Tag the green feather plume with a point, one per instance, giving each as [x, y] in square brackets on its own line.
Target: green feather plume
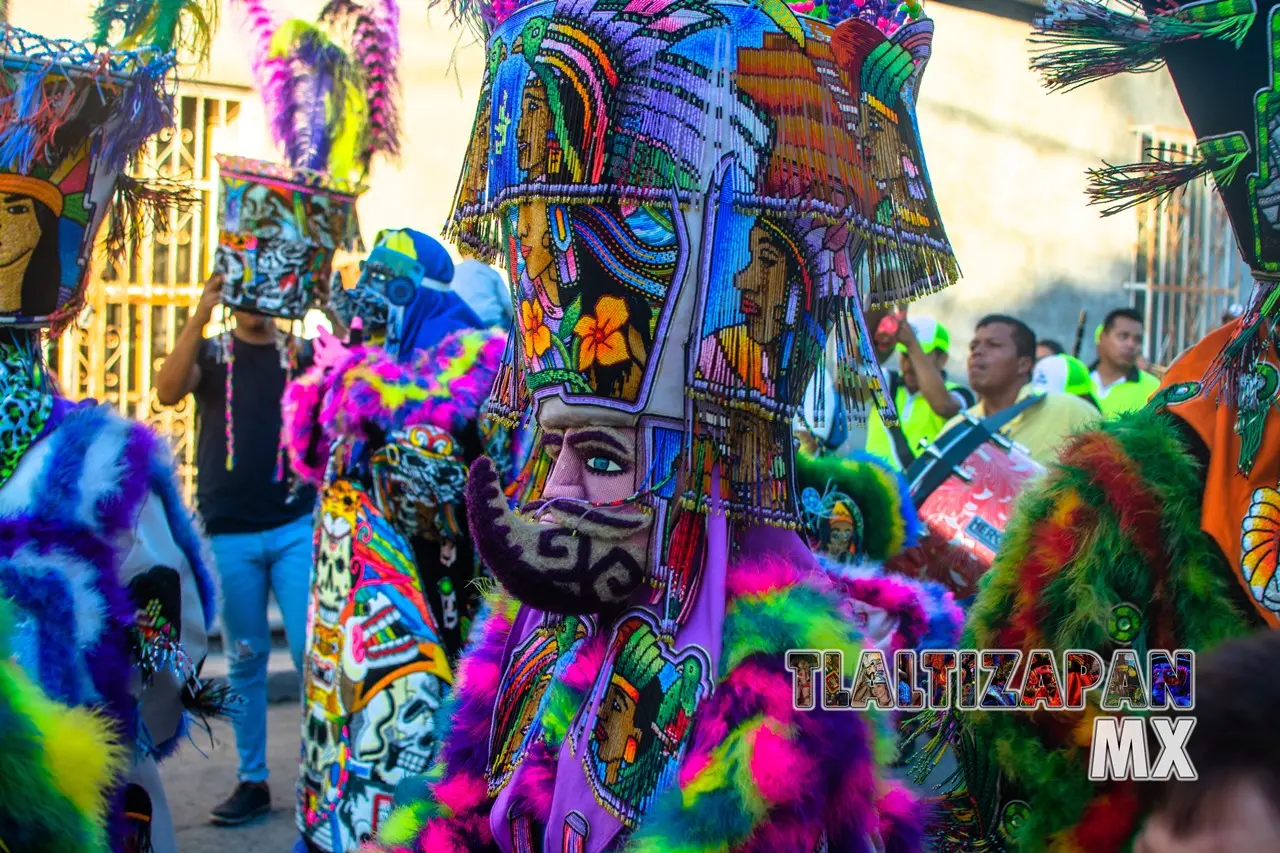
[162, 25]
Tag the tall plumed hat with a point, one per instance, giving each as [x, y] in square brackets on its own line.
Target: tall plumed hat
[691, 196]
[1222, 57]
[329, 89]
[73, 115]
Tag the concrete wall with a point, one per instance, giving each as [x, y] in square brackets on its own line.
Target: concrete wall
[1007, 158]
[1008, 162]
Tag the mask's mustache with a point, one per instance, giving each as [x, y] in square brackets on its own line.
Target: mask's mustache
[590, 559]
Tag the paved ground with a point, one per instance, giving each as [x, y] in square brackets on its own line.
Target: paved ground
[194, 784]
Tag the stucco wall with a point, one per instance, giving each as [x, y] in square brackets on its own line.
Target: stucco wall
[1007, 158]
[1008, 162]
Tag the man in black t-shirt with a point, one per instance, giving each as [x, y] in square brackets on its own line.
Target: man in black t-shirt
[259, 528]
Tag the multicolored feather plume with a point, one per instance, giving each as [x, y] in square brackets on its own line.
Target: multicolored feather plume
[164, 25]
[330, 87]
[375, 49]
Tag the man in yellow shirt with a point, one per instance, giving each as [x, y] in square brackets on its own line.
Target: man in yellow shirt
[1001, 357]
[1118, 383]
[923, 396]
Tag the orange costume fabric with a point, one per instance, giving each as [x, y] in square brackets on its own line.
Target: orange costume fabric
[1241, 508]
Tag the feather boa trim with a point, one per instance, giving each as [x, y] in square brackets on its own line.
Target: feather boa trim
[758, 777]
[60, 764]
[879, 494]
[369, 393]
[926, 612]
[1116, 521]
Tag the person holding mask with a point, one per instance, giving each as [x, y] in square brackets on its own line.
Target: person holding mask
[1001, 360]
[922, 395]
[259, 526]
[1119, 382]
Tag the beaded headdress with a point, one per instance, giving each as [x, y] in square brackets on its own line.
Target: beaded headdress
[1222, 57]
[691, 196]
[73, 117]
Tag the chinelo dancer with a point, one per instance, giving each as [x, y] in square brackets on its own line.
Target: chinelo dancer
[1157, 529]
[386, 429]
[103, 583]
[328, 88]
[684, 192]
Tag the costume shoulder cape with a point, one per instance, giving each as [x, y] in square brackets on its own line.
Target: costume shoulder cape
[368, 392]
[1105, 552]
[67, 517]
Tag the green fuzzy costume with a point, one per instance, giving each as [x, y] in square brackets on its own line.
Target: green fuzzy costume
[1115, 522]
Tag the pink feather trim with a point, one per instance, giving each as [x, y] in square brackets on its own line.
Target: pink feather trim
[779, 768]
[903, 816]
[462, 793]
[535, 783]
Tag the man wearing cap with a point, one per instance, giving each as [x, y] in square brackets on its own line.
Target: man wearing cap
[1118, 383]
[1064, 374]
[923, 344]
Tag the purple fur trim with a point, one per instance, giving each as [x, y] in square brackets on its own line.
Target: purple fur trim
[903, 817]
[475, 695]
[301, 432]
[50, 597]
[946, 618]
[535, 783]
[182, 524]
[791, 834]
[118, 509]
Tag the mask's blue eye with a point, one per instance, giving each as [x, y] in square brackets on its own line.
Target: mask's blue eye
[603, 465]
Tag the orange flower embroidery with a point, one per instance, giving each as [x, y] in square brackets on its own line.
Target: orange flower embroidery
[537, 337]
[602, 338]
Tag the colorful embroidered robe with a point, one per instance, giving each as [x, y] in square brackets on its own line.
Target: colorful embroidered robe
[756, 774]
[393, 594]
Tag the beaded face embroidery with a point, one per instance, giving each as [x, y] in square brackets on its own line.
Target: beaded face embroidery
[685, 194]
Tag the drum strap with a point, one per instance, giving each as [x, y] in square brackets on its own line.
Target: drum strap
[931, 470]
[901, 447]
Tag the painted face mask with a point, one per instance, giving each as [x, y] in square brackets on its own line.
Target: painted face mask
[388, 281]
[278, 229]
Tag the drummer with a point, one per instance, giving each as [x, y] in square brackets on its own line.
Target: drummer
[924, 397]
[1002, 356]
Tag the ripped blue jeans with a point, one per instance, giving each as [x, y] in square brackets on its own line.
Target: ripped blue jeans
[250, 565]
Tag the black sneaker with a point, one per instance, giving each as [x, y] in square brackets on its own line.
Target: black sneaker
[249, 800]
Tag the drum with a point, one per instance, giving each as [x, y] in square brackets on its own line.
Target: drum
[963, 487]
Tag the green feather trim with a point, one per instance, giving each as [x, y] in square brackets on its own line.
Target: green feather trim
[872, 489]
[1106, 567]
[38, 798]
[771, 624]
[164, 25]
